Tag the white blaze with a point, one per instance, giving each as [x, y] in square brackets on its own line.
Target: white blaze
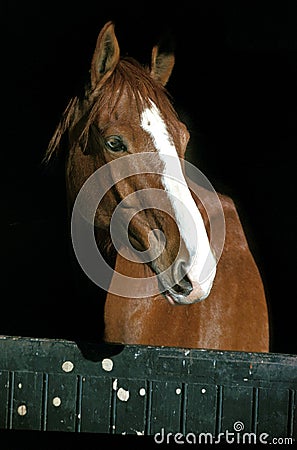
[202, 263]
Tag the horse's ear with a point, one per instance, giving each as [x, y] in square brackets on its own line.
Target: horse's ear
[161, 65]
[106, 55]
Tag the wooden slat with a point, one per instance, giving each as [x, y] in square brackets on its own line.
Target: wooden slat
[27, 400]
[130, 406]
[166, 406]
[4, 398]
[273, 412]
[237, 408]
[96, 404]
[201, 408]
[293, 421]
[61, 403]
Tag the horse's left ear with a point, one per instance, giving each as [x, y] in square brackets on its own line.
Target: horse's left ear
[161, 65]
[106, 55]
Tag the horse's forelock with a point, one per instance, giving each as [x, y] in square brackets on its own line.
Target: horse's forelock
[131, 78]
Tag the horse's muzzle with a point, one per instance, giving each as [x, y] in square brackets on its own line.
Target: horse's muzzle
[176, 298]
[185, 291]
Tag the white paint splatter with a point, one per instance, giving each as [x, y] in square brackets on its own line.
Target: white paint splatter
[67, 366]
[57, 401]
[123, 395]
[107, 364]
[22, 410]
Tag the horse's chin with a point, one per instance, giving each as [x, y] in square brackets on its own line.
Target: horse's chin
[177, 299]
[170, 298]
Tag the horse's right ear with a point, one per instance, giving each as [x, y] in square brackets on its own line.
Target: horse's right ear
[106, 55]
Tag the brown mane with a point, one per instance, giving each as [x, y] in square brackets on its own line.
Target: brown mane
[129, 76]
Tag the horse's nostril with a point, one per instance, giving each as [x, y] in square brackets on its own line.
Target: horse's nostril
[184, 287]
[178, 289]
[183, 284]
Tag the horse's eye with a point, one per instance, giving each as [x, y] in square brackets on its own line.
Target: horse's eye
[115, 144]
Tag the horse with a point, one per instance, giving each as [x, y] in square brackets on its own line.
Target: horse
[127, 114]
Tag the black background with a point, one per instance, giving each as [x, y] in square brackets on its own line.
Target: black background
[235, 80]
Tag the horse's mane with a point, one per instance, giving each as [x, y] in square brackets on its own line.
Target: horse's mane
[130, 77]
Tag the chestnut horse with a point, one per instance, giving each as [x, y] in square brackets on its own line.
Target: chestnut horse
[189, 296]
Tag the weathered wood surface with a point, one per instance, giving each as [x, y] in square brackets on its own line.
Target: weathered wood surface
[63, 386]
